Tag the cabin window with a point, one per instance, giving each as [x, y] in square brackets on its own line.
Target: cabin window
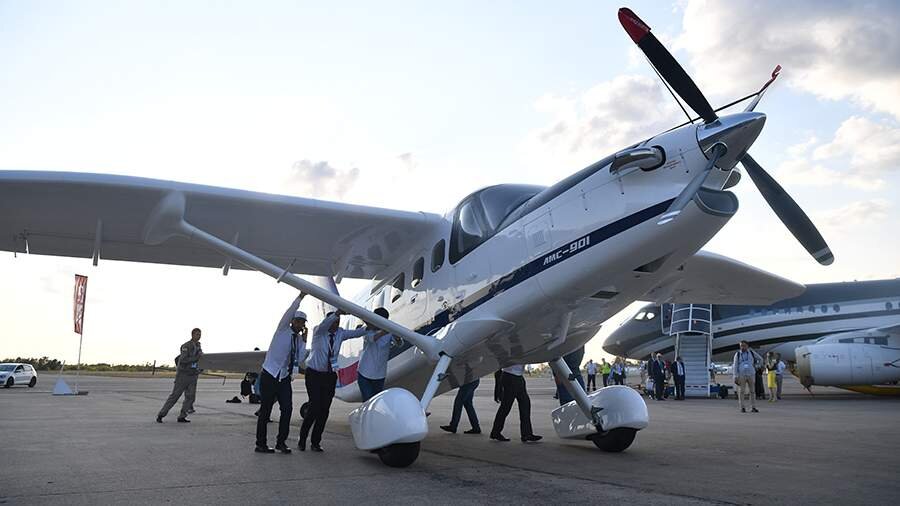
[836, 308]
[397, 287]
[824, 308]
[437, 255]
[812, 309]
[888, 306]
[468, 232]
[418, 272]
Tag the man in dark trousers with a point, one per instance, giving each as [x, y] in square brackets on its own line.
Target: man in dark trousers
[658, 372]
[287, 350]
[677, 368]
[185, 379]
[321, 376]
[512, 388]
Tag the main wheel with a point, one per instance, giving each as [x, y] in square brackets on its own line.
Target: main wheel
[616, 440]
[304, 410]
[33, 382]
[400, 454]
[10, 382]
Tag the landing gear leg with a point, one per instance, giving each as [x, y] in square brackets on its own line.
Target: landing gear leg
[591, 412]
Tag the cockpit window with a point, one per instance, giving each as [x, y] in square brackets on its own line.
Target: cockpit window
[645, 316]
[483, 214]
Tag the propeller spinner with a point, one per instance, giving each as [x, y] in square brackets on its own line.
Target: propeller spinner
[793, 217]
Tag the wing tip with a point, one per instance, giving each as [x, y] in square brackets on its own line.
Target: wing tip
[633, 25]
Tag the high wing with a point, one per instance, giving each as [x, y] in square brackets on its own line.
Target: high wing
[894, 330]
[61, 213]
[708, 278]
[241, 361]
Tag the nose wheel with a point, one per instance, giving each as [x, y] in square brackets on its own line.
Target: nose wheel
[399, 454]
[616, 440]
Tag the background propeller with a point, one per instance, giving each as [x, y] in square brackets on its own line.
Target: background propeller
[668, 68]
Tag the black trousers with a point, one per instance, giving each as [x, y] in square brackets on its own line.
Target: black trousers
[659, 385]
[592, 381]
[679, 387]
[513, 390]
[320, 388]
[270, 390]
[606, 380]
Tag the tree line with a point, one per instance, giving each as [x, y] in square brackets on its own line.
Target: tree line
[52, 364]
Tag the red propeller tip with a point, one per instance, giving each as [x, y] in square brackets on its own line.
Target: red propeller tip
[632, 24]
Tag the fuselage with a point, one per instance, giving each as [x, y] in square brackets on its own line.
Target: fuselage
[823, 309]
[543, 268]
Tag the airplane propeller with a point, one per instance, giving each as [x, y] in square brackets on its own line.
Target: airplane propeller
[668, 68]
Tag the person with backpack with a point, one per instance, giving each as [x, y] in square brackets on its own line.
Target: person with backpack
[185, 379]
[744, 366]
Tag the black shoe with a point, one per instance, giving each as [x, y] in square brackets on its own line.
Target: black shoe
[283, 448]
[263, 449]
[499, 437]
[191, 411]
[159, 419]
[316, 448]
[473, 431]
[743, 410]
[449, 429]
[531, 439]
[301, 445]
[754, 410]
[183, 420]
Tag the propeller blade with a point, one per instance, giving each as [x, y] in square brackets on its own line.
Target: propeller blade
[666, 64]
[789, 212]
[762, 91]
[687, 194]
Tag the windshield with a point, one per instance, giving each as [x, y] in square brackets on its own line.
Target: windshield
[7, 367]
[499, 201]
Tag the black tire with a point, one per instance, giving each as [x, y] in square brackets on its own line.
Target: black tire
[33, 382]
[304, 410]
[399, 455]
[616, 440]
[10, 382]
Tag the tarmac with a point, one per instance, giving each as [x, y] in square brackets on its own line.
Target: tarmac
[103, 448]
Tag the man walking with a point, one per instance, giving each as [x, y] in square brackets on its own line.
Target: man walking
[658, 373]
[465, 394]
[287, 350]
[678, 375]
[512, 388]
[745, 364]
[321, 376]
[592, 375]
[185, 379]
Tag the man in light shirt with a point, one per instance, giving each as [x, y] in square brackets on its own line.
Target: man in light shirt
[321, 376]
[745, 364]
[286, 351]
[591, 368]
[779, 376]
[373, 360]
[512, 388]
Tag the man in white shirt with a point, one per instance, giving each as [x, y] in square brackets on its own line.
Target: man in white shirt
[745, 364]
[592, 375]
[779, 376]
[373, 360]
[677, 368]
[512, 388]
[286, 351]
[321, 376]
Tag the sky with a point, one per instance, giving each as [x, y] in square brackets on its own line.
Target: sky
[410, 105]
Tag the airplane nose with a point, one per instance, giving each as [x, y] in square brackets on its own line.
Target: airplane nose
[613, 347]
[736, 131]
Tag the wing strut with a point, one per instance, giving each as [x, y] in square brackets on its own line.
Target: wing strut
[167, 220]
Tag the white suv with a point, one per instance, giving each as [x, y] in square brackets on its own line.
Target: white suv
[17, 374]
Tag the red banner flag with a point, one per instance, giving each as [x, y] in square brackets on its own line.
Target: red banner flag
[80, 299]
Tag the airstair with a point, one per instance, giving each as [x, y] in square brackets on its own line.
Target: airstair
[691, 327]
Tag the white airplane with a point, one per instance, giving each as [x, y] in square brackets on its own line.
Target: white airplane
[514, 274]
[836, 334]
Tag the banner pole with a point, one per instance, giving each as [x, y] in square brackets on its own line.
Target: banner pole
[78, 369]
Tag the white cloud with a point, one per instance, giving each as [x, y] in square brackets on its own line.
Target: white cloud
[860, 155]
[606, 117]
[854, 215]
[320, 180]
[834, 50]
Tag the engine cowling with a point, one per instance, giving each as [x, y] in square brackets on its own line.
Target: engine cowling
[847, 364]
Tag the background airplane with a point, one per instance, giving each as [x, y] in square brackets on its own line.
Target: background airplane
[837, 334]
